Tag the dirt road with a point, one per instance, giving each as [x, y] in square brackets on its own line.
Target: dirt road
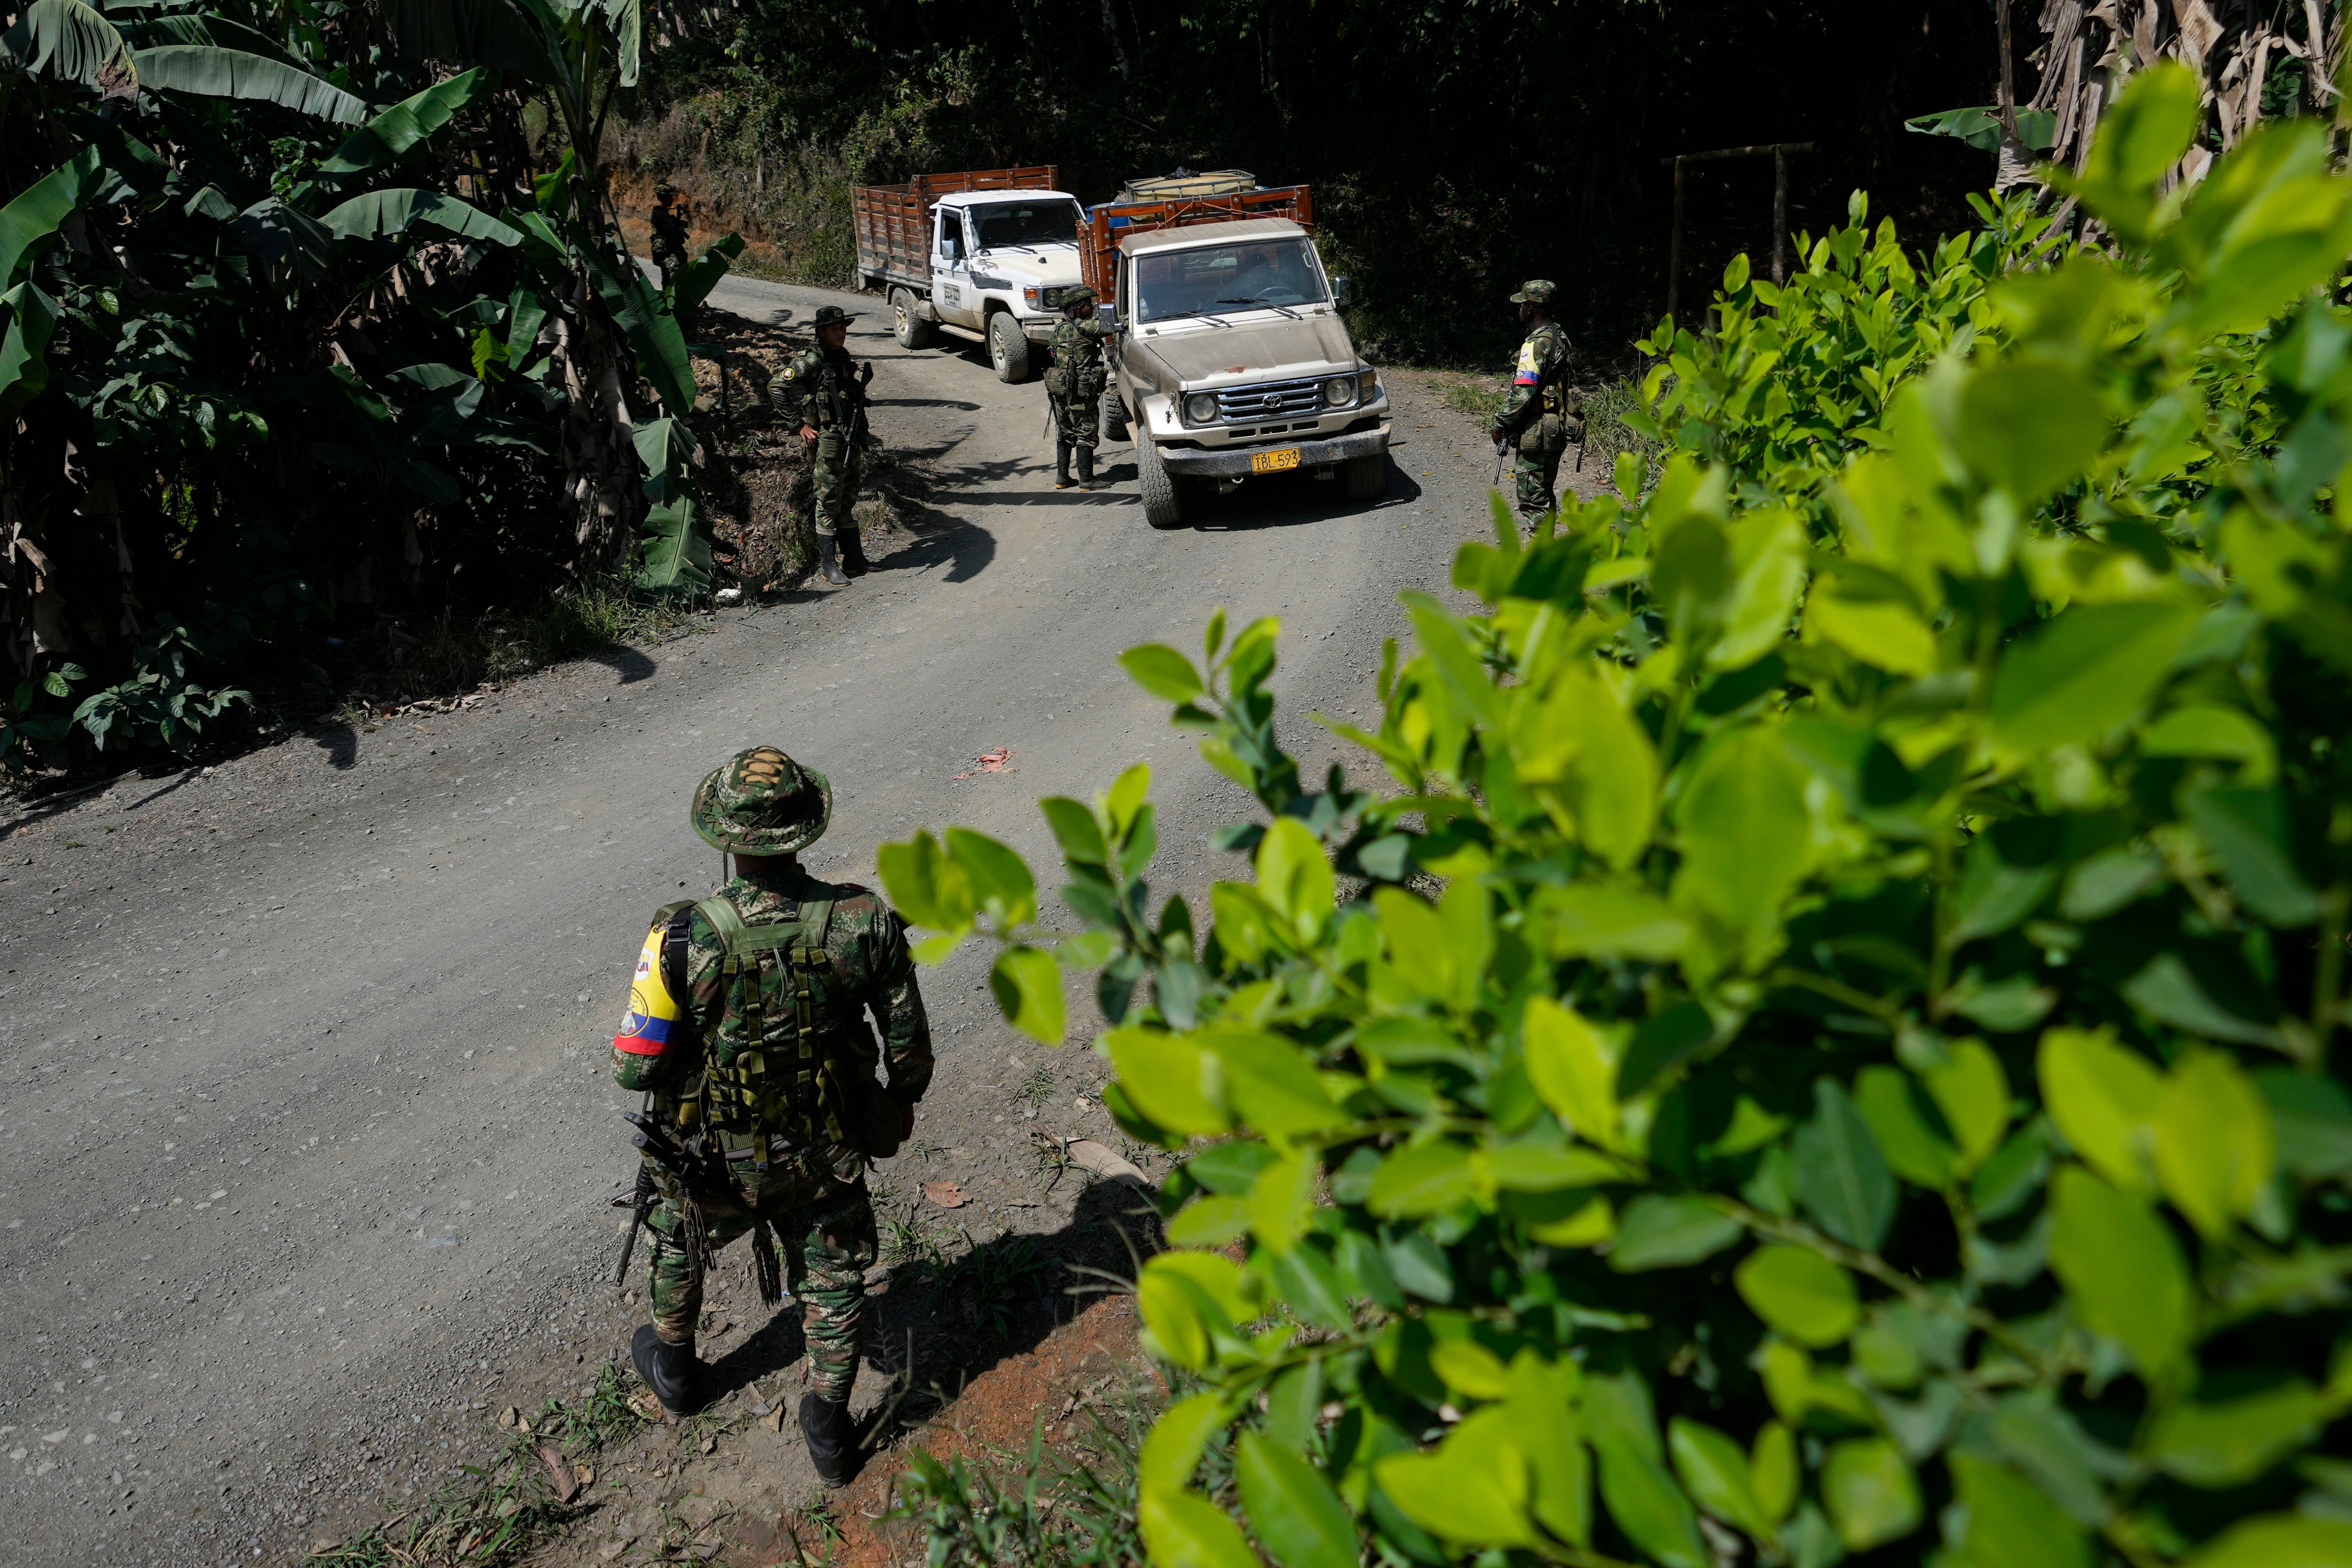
[304, 1166]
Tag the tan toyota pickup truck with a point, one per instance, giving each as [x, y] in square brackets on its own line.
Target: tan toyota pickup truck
[1231, 362]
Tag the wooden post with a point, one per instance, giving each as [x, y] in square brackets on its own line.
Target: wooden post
[1674, 245]
[1780, 213]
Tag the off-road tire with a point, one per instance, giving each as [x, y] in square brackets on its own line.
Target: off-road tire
[1366, 478]
[1164, 506]
[1114, 415]
[1008, 348]
[911, 331]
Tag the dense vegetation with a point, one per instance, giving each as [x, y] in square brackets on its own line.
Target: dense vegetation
[1828, 1044]
[1455, 149]
[313, 313]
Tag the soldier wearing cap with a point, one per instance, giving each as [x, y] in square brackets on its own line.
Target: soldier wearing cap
[1073, 387]
[668, 224]
[747, 1032]
[826, 389]
[1543, 413]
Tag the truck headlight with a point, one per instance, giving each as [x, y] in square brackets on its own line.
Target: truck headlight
[1368, 386]
[1339, 392]
[1030, 297]
[1201, 408]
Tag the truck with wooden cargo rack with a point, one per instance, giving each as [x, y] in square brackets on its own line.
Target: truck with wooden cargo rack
[983, 255]
[1231, 360]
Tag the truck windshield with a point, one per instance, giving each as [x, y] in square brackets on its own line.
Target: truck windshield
[1025, 223]
[1220, 280]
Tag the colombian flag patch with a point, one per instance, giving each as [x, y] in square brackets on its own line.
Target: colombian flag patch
[1526, 374]
[645, 1027]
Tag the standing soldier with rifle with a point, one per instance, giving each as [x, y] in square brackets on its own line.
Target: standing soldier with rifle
[747, 1032]
[1073, 387]
[1543, 413]
[669, 222]
[826, 389]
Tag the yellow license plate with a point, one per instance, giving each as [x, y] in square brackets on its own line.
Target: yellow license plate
[1274, 462]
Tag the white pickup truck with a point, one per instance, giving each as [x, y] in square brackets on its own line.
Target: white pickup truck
[983, 255]
[1230, 360]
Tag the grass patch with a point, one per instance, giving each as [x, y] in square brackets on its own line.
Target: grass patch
[1070, 1506]
[1606, 435]
[1481, 400]
[499, 1512]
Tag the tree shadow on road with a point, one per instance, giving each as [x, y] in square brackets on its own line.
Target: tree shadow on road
[632, 665]
[934, 538]
[340, 742]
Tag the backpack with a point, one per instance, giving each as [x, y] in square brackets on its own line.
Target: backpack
[790, 1069]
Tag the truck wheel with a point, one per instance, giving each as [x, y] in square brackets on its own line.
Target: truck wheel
[1114, 417]
[1367, 478]
[911, 331]
[1163, 507]
[1008, 347]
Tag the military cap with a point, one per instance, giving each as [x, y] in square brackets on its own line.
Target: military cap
[665, 192]
[1535, 292]
[1072, 297]
[762, 803]
[832, 316]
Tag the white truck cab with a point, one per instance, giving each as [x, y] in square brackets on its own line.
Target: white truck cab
[980, 256]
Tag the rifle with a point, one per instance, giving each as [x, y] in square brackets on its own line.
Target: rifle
[639, 1203]
[1502, 455]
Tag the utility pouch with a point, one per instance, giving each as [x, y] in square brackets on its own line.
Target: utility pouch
[1058, 379]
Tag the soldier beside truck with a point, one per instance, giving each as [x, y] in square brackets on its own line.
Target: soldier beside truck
[1226, 358]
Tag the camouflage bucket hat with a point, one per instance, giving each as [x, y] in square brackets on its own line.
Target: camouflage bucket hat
[762, 803]
[1074, 298]
[830, 315]
[1535, 292]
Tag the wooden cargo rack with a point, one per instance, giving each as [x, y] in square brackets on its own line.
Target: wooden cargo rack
[1098, 248]
[894, 222]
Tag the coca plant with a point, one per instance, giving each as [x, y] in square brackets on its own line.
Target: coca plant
[1826, 1045]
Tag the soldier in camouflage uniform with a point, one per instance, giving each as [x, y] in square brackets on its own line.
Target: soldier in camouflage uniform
[669, 237]
[825, 389]
[747, 1030]
[1073, 387]
[1544, 414]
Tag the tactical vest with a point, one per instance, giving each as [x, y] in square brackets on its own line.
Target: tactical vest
[776, 1072]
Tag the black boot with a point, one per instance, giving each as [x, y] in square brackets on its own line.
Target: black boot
[828, 564]
[670, 1370]
[853, 553]
[1062, 464]
[1086, 467]
[832, 1439]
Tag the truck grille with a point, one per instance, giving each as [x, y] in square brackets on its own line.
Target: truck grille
[1268, 400]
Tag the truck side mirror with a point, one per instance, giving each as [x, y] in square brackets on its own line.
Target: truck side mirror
[1341, 293]
[1108, 316]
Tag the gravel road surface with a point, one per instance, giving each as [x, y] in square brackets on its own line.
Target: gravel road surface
[306, 1160]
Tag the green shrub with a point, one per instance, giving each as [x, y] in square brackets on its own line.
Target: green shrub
[1867, 1084]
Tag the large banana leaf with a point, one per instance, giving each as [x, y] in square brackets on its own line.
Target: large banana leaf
[210, 28]
[126, 157]
[652, 332]
[677, 548]
[1981, 128]
[69, 41]
[42, 207]
[232, 73]
[389, 215]
[667, 447]
[384, 140]
[700, 277]
[31, 317]
[271, 230]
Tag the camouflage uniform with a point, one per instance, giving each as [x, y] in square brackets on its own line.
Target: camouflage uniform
[810, 1191]
[669, 237]
[822, 388]
[1073, 388]
[1541, 416]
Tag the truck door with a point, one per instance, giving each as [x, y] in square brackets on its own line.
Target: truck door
[951, 291]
